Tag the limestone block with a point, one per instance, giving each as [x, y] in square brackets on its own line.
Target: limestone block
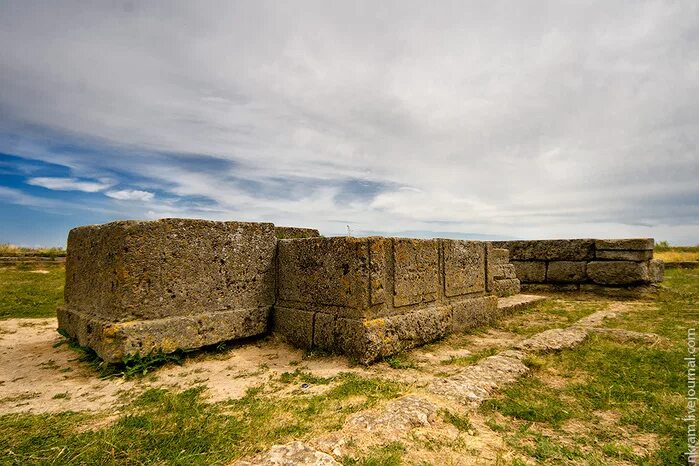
[624, 255]
[634, 244]
[566, 271]
[507, 287]
[656, 269]
[618, 272]
[501, 271]
[295, 232]
[530, 271]
[464, 267]
[499, 256]
[473, 312]
[324, 332]
[166, 273]
[332, 272]
[549, 287]
[415, 271]
[296, 326]
[558, 249]
[490, 266]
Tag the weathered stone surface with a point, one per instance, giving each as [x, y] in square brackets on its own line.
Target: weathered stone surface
[624, 255]
[499, 256]
[507, 287]
[473, 312]
[324, 332]
[415, 271]
[179, 273]
[330, 272]
[475, 383]
[549, 287]
[290, 454]
[296, 326]
[464, 267]
[134, 270]
[557, 249]
[566, 271]
[295, 232]
[518, 302]
[501, 271]
[634, 244]
[379, 250]
[112, 341]
[490, 265]
[618, 272]
[530, 271]
[400, 415]
[370, 340]
[554, 339]
[656, 270]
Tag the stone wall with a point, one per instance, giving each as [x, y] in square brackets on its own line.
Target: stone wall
[295, 232]
[583, 264]
[505, 281]
[142, 287]
[373, 297]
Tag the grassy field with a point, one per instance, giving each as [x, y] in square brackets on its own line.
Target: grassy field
[607, 401]
[11, 250]
[31, 290]
[667, 253]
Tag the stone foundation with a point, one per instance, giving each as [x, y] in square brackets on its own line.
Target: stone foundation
[584, 264]
[373, 297]
[147, 287]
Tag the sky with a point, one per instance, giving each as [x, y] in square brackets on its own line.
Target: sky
[521, 119]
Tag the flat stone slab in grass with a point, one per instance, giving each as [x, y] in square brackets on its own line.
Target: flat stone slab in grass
[291, 454]
[518, 302]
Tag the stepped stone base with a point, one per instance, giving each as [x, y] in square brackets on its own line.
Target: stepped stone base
[113, 341]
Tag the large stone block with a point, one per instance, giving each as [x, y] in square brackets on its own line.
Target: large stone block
[501, 271]
[473, 312]
[633, 244]
[641, 255]
[656, 270]
[464, 267]
[507, 287]
[141, 272]
[415, 271]
[295, 232]
[499, 256]
[618, 272]
[530, 271]
[296, 326]
[543, 250]
[566, 271]
[328, 272]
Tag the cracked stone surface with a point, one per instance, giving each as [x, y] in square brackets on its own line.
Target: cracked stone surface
[402, 414]
[475, 383]
[629, 335]
[291, 454]
[554, 339]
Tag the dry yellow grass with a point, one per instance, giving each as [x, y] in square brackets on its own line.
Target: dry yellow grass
[677, 256]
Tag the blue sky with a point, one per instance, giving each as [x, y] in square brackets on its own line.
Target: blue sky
[498, 120]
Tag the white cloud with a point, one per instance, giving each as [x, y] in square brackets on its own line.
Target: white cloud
[517, 119]
[69, 184]
[130, 195]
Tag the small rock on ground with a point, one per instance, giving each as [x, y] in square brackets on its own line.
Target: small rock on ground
[290, 454]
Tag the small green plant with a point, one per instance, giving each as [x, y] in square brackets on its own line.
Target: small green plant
[400, 361]
[462, 423]
[471, 358]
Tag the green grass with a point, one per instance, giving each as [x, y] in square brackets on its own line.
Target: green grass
[386, 455]
[26, 292]
[165, 427]
[643, 384]
[471, 358]
[401, 361]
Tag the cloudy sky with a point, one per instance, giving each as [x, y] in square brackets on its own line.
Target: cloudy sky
[465, 119]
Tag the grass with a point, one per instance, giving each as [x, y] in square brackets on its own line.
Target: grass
[640, 386]
[11, 250]
[31, 290]
[669, 253]
[166, 427]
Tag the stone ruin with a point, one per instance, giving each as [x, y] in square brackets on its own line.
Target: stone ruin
[142, 287]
